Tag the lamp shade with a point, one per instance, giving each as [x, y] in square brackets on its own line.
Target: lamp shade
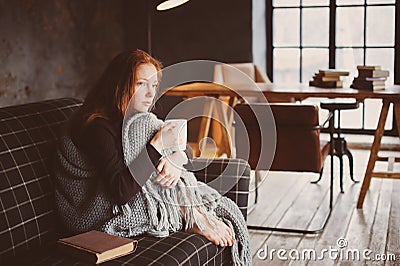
[170, 4]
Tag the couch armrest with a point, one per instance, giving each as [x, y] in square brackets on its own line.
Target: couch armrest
[230, 177]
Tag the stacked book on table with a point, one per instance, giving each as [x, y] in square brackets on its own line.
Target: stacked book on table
[330, 78]
[370, 78]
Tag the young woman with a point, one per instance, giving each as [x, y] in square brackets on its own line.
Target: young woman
[96, 187]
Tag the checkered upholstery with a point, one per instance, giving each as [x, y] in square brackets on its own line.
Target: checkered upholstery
[27, 221]
[228, 176]
[180, 248]
[27, 133]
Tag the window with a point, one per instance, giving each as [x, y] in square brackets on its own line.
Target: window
[307, 35]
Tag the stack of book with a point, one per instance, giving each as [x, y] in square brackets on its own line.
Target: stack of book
[370, 78]
[328, 78]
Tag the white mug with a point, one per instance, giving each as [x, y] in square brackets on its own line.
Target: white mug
[181, 125]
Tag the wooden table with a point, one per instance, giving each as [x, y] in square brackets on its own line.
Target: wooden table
[391, 95]
[219, 101]
[289, 92]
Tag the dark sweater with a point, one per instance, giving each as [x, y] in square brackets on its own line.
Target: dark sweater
[101, 141]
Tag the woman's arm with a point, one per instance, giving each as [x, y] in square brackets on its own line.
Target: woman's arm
[170, 168]
[101, 141]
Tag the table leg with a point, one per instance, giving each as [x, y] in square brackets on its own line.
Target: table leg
[205, 126]
[232, 103]
[223, 129]
[396, 107]
[374, 153]
[221, 110]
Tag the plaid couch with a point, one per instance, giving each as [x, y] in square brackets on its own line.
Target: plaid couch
[28, 229]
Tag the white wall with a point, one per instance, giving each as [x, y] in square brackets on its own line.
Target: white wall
[259, 35]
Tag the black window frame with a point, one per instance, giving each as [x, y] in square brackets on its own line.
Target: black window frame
[332, 47]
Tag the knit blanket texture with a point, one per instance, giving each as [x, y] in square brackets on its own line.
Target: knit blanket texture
[83, 204]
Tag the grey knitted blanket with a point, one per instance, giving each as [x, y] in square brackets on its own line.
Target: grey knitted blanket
[83, 204]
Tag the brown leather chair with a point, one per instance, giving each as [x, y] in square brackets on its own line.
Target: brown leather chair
[298, 146]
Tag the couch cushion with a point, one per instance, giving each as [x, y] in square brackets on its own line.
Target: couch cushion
[180, 248]
[230, 177]
[27, 133]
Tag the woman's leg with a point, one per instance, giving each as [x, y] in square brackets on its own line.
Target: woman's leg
[220, 234]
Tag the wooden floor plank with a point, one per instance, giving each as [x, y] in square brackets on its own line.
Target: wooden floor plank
[310, 201]
[342, 213]
[311, 242]
[337, 225]
[307, 192]
[358, 233]
[376, 226]
[379, 229]
[271, 214]
[301, 214]
[393, 239]
[272, 192]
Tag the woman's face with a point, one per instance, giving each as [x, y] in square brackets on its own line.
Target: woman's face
[145, 87]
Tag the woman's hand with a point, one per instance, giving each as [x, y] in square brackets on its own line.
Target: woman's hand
[166, 137]
[170, 168]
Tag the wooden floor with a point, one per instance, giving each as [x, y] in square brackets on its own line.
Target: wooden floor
[289, 200]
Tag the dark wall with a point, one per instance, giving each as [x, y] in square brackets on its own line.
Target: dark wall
[219, 30]
[51, 48]
[57, 48]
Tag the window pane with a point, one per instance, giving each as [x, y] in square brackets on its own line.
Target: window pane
[348, 59]
[349, 26]
[286, 65]
[381, 1]
[384, 58]
[286, 3]
[372, 112]
[349, 2]
[351, 118]
[286, 27]
[380, 25]
[315, 2]
[313, 60]
[315, 31]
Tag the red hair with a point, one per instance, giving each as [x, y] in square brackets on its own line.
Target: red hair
[110, 97]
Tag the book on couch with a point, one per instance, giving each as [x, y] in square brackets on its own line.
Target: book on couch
[97, 247]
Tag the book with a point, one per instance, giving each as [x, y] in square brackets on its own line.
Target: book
[373, 73]
[367, 83]
[97, 247]
[371, 88]
[321, 77]
[368, 67]
[326, 84]
[373, 78]
[329, 78]
[334, 72]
